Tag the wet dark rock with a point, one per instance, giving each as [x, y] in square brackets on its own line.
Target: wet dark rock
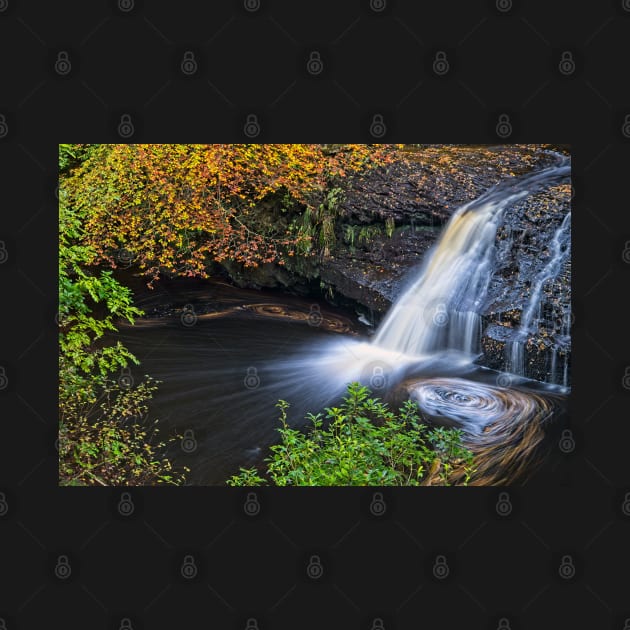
[267, 275]
[522, 244]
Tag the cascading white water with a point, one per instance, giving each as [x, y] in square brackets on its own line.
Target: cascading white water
[559, 249]
[441, 309]
[434, 328]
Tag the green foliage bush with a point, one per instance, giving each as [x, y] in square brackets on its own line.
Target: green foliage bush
[104, 437]
[362, 443]
[110, 442]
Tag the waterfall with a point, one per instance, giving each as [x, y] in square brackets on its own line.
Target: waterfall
[441, 308]
[559, 248]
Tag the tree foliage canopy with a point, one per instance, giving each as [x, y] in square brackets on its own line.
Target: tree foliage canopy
[174, 208]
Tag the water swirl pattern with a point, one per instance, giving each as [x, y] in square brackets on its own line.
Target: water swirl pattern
[474, 404]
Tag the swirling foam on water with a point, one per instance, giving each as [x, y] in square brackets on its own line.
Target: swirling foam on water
[504, 426]
[474, 405]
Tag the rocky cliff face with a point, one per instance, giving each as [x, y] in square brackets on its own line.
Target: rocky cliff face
[524, 252]
[391, 216]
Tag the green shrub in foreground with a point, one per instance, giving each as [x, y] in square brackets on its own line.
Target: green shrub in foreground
[104, 435]
[109, 442]
[362, 443]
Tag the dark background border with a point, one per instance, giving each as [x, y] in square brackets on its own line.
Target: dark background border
[123, 58]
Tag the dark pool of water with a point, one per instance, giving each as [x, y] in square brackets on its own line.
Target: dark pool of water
[220, 355]
[225, 356]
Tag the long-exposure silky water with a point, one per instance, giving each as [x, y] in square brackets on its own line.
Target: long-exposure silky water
[440, 310]
[428, 342]
[559, 253]
[437, 319]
